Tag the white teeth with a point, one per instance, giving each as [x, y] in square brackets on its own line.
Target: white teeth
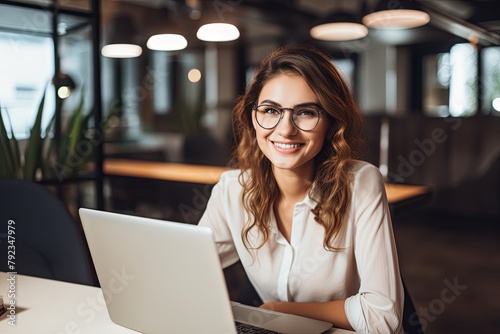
[286, 146]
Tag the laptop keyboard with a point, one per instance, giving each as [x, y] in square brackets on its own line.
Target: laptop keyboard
[249, 329]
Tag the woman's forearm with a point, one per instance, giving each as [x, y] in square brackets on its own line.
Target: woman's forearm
[332, 311]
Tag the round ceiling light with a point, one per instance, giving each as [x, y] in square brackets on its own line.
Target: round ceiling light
[339, 31]
[167, 42]
[121, 51]
[218, 32]
[121, 38]
[396, 19]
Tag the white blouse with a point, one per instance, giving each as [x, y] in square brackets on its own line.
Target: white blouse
[365, 272]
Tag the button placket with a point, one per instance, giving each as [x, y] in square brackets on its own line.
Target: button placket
[284, 276]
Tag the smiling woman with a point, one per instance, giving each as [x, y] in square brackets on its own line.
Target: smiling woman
[299, 196]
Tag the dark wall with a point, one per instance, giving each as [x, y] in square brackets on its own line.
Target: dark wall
[459, 157]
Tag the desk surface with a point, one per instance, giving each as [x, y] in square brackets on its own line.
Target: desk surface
[168, 171]
[48, 306]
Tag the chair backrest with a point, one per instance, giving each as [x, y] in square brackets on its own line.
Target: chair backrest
[47, 240]
[411, 320]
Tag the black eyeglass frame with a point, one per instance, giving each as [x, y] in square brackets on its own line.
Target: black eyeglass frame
[282, 113]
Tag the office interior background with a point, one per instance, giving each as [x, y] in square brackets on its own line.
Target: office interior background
[430, 95]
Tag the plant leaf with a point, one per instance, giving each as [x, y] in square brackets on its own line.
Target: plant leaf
[68, 155]
[32, 155]
[16, 155]
[85, 126]
[48, 147]
[7, 169]
[75, 133]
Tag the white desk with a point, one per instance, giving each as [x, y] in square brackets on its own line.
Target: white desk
[53, 307]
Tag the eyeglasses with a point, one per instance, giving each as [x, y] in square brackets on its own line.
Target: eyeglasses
[304, 117]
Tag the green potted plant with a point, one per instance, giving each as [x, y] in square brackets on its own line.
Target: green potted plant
[40, 159]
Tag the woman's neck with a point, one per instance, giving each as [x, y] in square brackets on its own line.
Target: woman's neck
[293, 186]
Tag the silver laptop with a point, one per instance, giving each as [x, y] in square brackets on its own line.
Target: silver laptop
[166, 277]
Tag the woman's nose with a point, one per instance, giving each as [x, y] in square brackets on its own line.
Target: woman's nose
[285, 126]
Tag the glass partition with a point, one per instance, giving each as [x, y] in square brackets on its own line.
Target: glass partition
[24, 80]
[490, 83]
[463, 80]
[450, 82]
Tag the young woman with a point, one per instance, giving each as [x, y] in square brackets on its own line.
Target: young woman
[308, 221]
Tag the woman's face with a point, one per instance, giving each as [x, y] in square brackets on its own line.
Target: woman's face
[286, 146]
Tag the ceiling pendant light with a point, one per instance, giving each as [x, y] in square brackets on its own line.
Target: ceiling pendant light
[167, 42]
[121, 50]
[168, 34]
[218, 32]
[121, 43]
[407, 14]
[339, 26]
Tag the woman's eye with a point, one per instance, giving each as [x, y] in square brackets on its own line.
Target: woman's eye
[272, 111]
[306, 113]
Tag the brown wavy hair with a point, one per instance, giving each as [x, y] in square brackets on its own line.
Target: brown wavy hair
[332, 164]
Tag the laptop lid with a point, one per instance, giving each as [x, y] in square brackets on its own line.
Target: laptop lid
[158, 276]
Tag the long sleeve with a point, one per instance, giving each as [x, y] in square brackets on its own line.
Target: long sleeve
[378, 306]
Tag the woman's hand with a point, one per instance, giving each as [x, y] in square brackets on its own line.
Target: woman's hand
[268, 306]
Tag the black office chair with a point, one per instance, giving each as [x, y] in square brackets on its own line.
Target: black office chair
[47, 240]
[411, 321]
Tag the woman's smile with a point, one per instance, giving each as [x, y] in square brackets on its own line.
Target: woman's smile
[286, 147]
